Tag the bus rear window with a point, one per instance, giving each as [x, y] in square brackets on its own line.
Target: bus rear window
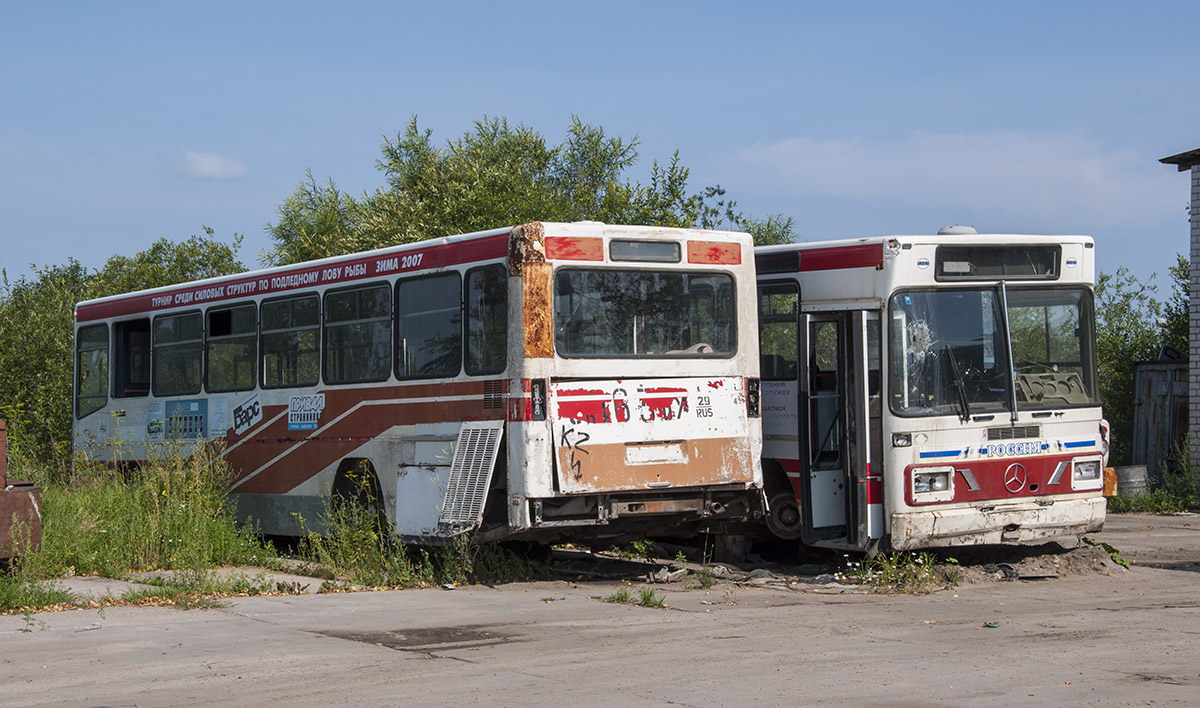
[608, 313]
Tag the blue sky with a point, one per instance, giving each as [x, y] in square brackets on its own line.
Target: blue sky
[122, 123]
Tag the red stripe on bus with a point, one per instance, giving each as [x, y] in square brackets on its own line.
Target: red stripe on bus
[570, 248]
[259, 445]
[839, 257]
[874, 491]
[520, 410]
[284, 280]
[342, 439]
[714, 252]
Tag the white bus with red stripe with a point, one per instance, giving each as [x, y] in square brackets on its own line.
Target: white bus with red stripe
[546, 381]
[923, 391]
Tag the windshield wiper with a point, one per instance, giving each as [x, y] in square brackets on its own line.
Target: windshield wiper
[959, 384]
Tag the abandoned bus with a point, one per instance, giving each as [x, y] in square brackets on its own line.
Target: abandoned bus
[546, 381]
[922, 391]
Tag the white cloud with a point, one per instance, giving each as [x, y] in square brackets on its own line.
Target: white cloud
[1057, 179]
[208, 165]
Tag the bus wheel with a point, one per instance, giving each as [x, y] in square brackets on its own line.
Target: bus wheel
[784, 518]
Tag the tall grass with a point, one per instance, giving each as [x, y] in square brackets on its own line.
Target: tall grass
[170, 513]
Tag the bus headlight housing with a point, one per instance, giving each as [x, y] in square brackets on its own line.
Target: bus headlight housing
[1086, 474]
[931, 484]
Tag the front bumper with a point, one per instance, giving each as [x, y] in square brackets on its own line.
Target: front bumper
[1000, 523]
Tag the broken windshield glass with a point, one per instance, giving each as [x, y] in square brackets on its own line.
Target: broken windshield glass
[948, 355]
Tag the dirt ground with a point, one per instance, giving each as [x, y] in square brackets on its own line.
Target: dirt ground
[1043, 627]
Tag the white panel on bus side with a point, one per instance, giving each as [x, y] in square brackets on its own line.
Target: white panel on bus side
[420, 493]
[827, 485]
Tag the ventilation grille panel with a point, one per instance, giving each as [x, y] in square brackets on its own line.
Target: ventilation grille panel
[493, 394]
[470, 475]
[1015, 432]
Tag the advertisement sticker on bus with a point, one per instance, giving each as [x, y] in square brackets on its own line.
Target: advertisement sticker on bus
[247, 413]
[304, 412]
[177, 419]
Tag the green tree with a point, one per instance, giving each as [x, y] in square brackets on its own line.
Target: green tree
[168, 262]
[1177, 310]
[37, 315]
[1128, 330]
[36, 318]
[497, 175]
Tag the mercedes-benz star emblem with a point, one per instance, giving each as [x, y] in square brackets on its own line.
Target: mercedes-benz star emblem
[1015, 477]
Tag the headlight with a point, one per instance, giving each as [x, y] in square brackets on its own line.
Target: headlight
[1089, 470]
[1086, 474]
[933, 484]
[901, 439]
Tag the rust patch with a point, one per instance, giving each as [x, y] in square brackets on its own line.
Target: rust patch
[20, 519]
[526, 246]
[20, 509]
[537, 310]
[685, 463]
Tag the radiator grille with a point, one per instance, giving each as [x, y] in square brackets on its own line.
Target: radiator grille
[1015, 432]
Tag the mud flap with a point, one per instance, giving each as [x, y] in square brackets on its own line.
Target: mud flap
[470, 476]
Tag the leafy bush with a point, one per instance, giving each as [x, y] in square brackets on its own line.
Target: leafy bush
[1177, 491]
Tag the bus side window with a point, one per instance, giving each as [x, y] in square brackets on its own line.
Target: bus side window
[778, 307]
[231, 350]
[91, 367]
[290, 341]
[178, 354]
[487, 321]
[358, 334]
[131, 342]
[429, 327]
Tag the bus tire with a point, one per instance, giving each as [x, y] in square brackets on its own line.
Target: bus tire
[784, 517]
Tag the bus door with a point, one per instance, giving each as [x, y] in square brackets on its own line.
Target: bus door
[842, 429]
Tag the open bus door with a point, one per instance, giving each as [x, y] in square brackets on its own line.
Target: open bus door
[841, 429]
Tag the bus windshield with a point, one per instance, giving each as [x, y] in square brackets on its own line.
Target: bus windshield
[610, 313]
[948, 354]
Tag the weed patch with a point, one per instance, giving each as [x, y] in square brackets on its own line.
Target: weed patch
[199, 589]
[620, 597]
[650, 598]
[1108, 548]
[902, 571]
[17, 595]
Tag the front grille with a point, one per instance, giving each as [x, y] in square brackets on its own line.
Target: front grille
[1015, 432]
